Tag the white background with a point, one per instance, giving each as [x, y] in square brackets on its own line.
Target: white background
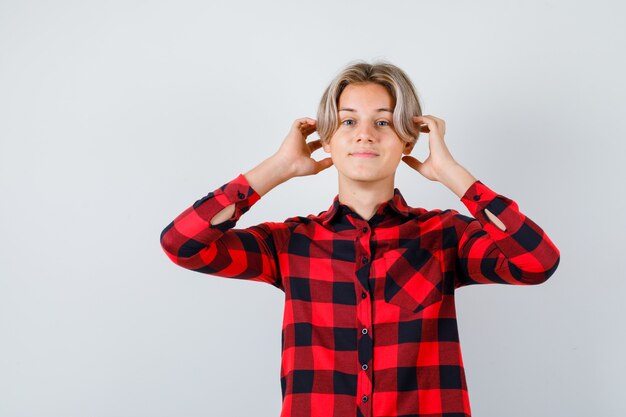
[116, 116]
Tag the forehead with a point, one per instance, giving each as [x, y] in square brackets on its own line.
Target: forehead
[365, 95]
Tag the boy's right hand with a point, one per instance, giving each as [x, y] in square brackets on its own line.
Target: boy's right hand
[295, 152]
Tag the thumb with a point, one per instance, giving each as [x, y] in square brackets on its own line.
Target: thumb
[323, 164]
[412, 162]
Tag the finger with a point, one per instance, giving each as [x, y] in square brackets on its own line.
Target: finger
[303, 122]
[434, 125]
[441, 124]
[427, 123]
[412, 162]
[306, 120]
[306, 132]
[421, 127]
[315, 144]
[306, 129]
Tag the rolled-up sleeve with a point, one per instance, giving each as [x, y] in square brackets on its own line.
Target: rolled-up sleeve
[192, 242]
[522, 254]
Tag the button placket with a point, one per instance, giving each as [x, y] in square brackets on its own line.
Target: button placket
[364, 260]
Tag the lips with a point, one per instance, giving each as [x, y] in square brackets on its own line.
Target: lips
[364, 154]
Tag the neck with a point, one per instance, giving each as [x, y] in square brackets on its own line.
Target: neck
[364, 197]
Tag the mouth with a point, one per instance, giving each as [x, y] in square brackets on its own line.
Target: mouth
[364, 154]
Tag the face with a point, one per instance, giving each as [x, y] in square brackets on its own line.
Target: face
[366, 147]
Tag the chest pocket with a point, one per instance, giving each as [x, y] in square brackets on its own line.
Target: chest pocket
[413, 278]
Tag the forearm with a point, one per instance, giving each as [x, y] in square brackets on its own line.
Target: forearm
[262, 178]
[244, 253]
[458, 180]
[267, 175]
[189, 232]
[521, 254]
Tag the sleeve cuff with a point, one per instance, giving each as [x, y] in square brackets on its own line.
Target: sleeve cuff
[479, 197]
[237, 191]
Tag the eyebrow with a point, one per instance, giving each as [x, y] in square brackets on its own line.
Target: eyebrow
[378, 110]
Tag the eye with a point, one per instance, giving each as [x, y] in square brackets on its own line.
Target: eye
[383, 123]
[347, 122]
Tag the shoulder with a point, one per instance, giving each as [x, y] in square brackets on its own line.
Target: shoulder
[444, 215]
[450, 222]
[301, 219]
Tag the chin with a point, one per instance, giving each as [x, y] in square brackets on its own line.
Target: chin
[364, 177]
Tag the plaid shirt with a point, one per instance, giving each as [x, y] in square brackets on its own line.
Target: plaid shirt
[369, 326]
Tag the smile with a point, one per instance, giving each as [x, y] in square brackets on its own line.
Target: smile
[364, 155]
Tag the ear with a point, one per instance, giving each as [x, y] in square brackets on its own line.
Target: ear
[408, 147]
[326, 146]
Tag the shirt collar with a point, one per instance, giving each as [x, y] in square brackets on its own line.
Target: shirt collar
[397, 203]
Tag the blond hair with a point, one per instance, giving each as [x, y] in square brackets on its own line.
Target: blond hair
[406, 103]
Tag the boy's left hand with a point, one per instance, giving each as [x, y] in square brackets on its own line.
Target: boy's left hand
[439, 158]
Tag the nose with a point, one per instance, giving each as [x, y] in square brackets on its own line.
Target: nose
[365, 132]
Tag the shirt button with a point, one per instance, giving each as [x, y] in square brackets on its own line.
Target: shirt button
[363, 295]
[241, 195]
[364, 259]
[364, 398]
[364, 331]
[365, 230]
[364, 367]
[476, 197]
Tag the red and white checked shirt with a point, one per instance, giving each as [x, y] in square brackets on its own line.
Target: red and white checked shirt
[369, 326]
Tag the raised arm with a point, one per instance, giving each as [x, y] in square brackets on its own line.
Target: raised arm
[203, 238]
[500, 244]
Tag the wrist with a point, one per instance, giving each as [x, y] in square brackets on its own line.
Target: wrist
[281, 168]
[267, 175]
[456, 178]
